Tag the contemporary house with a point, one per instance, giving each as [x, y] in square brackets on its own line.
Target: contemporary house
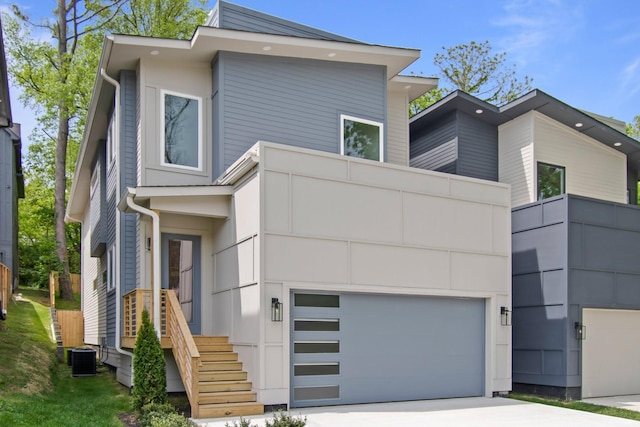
[575, 232]
[251, 188]
[11, 188]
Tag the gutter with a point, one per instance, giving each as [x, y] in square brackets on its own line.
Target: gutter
[155, 220]
[116, 145]
[237, 170]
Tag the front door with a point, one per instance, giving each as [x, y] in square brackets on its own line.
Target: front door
[181, 273]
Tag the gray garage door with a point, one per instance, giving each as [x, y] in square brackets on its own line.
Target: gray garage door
[354, 348]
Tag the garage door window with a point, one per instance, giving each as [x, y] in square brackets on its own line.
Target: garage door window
[317, 325]
[316, 347]
[302, 369]
[317, 300]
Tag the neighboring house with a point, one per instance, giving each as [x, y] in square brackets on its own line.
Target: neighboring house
[11, 182]
[336, 279]
[576, 233]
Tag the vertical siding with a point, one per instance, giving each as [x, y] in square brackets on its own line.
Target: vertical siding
[397, 129]
[236, 17]
[89, 273]
[477, 148]
[515, 158]
[292, 101]
[592, 169]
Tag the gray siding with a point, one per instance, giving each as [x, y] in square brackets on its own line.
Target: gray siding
[290, 101]
[434, 146]
[569, 253]
[477, 148]
[8, 203]
[234, 17]
[98, 203]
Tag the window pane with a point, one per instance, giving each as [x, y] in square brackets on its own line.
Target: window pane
[314, 393]
[550, 181]
[316, 325]
[361, 140]
[316, 369]
[317, 347]
[316, 300]
[181, 137]
[181, 274]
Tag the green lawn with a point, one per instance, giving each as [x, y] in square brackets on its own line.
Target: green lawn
[42, 296]
[37, 390]
[580, 406]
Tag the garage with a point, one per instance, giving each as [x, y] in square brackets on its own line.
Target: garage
[359, 348]
[610, 352]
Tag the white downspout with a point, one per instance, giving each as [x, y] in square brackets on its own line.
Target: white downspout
[116, 145]
[155, 221]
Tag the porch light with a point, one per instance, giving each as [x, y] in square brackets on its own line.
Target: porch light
[581, 331]
[276, 310]
[505, 316]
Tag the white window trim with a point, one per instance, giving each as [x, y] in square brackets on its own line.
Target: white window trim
[163, 93]
[380, 125]
[94, 181]
[537, 178]
[111, 148]
[111, 269]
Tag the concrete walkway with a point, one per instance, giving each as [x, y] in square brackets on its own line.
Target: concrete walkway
[475, 411]
[631, 402]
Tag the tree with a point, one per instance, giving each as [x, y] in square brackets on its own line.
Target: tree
[473, 68]
[149, 373]
[160, 18]
[425, 100]
[633, 128]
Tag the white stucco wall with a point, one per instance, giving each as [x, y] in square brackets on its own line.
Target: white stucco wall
[342, 224]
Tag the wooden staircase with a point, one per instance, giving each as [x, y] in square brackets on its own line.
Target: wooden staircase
[223, 389]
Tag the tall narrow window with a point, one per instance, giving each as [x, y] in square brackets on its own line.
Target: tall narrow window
[361, 138]
[181, 131]
[111, 269]
[111, 141]
[551, 180]
[181, 274]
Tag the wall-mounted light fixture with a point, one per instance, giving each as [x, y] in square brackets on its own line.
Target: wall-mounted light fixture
[276, 310]
[581, 331]
[505, 316]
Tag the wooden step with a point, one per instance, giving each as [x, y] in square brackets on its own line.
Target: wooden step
[203, 339]
[227, 397]
[217, 410]
[221, 366]
[220, 386]
[205, 348]
[223, 376]
[218, 356]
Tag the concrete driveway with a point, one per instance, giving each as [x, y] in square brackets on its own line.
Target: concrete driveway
[474, 411]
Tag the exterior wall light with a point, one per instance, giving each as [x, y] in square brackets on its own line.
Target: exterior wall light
[505, 316]
[276, 310]
[581, 331]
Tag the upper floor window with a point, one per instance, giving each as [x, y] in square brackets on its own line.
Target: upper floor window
[181, 131]
[111, 142]
[361, 138]
[94, 180]
[551, 180]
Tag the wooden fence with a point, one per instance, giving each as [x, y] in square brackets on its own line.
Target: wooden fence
[71, 327]
[5, 286]
[54, 285]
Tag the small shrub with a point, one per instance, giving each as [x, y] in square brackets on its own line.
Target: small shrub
[149, 372]
[283, 419]
[243, 423]
[162, 415]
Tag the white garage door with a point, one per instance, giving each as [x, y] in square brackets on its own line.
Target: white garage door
[610, 352]
[355, 348]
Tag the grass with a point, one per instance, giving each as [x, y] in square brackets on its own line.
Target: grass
[580, 406]
[41, 296]
[35, 389]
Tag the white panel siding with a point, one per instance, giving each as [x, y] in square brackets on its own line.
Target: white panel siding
[397, 129]
[592, 169]
[89, 272]
[515, 158]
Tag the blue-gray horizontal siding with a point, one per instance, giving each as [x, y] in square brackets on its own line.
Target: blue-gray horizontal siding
[425, 137]
[290, 101]
[8, 204]
[477, 148]
[98, 202]
[540, 310]
[234, 17]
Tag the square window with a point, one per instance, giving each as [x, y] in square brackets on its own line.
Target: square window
[551, 180]
[361, 138]
[181, 131]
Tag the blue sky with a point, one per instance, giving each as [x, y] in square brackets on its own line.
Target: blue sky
[583, 52]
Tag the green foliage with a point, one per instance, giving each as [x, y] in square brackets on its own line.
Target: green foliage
[425, 100]
[170, 19]
[243, 423]
[580, 406]
[149, 373]
[473, 68]
[162, 415]
[283, 419]
[633, 129]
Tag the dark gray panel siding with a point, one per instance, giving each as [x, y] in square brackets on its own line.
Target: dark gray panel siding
[540, 309]
[291, 101]
[234, 17]
[477, 148]
[427, 138]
